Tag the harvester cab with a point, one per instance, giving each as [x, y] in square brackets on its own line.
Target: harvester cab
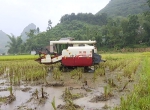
[71, 54]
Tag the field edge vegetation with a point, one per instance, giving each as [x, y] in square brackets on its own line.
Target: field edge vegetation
[139, 99]
[18, 57]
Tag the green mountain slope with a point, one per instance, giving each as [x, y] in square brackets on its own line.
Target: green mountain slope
[3, 42]
[27, 30]
[124, 7]
[74, 28]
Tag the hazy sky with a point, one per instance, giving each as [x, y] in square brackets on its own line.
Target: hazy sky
[15, 15]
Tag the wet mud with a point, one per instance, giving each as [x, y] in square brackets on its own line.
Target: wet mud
[80, 94]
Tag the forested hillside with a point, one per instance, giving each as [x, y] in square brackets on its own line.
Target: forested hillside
[124, 7]
[109, 32]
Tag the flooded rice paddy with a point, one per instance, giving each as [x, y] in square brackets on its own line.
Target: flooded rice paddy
[102, 90]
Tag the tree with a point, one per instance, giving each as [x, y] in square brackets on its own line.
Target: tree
[129, 28]
[38, 30]
[49, 25]
[30, 42]
[148, 2]
[14, 45]
[146, 26]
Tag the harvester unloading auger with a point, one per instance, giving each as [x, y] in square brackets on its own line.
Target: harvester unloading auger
[71, 54]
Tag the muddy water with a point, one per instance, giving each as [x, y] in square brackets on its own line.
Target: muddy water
[84, 102]
[25, 100]
[21, 97]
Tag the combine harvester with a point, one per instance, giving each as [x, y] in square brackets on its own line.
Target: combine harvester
[71, 54]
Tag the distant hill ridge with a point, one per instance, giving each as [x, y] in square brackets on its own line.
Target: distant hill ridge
[3, 42]
[4, 38]
[27, 29]
[124, 7]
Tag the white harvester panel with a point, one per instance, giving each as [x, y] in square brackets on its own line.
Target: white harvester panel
[77, 52]
[77, 56]
[47, 59]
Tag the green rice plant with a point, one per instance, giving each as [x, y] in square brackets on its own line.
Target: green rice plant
[118, 77]
[19, 75]
[125, 85]
[108, 63]
[124, 62]
[56, 73]
[123, 103]
[111, 82]
[137, 63]
[107, 91]
[36, 92]
[14, 80]
[24, 70]
[73, 73]
[70, 105]
[128, 72]
[18, 57]
[10, 74]
[53, 104]
[103, 64]
[95, 74]
[67, 94]
[114, 65]
[34, 73]
[131, 68]
[10, 90]
[56, 65]
[100, 71]
[147, 54]
[15, 75]
[77, 73]
[68, 98]
[131, 79]
[110, 57]
[45, 71]
[105, 107]
[3, 99]
[139, 99]
[2, 69]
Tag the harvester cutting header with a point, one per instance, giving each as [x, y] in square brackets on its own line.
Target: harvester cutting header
[72, 53]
